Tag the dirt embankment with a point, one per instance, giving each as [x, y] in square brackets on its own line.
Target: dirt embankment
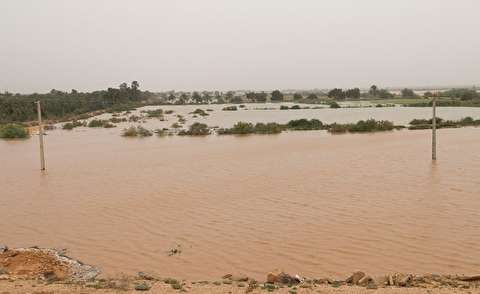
[42, 271]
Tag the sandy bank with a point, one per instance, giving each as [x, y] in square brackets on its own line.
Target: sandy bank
[36, 270]
[36, 287]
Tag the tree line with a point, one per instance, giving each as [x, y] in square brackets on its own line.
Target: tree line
[58, 104]
[65, 105]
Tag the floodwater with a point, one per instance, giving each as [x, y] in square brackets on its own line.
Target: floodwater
[269, 112]
[307, 202]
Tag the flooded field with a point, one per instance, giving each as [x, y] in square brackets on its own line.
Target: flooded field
[308, 202]
[271, 113]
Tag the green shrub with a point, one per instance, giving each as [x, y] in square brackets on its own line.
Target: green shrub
[13, 131]
[283, 107]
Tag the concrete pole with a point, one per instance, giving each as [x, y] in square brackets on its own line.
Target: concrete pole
[40, 136]
[434, 129]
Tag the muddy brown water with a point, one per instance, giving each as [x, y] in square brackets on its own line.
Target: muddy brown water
[307, 202]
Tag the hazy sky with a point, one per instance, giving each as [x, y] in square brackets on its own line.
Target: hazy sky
[237, 44]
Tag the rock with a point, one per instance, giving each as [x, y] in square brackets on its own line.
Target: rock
[146, 276]
[3, 248]
[403, 280]
[390, 280]
[252, 285]
[281, 277]
[463, 278]
[372, 286]
[142, 287]
[365, 281]
[324, 281]
[239, 278]
[299, 279]
[337, 284]
[381, 280]
[50, 276]
[355, 278]
[273, 277]
[236, 277]
[3, 271]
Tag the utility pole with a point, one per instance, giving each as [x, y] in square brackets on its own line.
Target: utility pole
[40, 136]
[434, 128]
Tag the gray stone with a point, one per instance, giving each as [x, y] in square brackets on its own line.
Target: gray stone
[142, 287]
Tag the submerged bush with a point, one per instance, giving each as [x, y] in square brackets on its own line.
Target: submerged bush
[230, 108]
[285, 107]
[96, 123]
[425, 121]
[424, 124]
[108, 125]
[268, 128]
[200, 112]
[13, 131]
[73, 124]
[362, 126]
[100, 123]
[154, 113]
[305, 124]
[163, 132]
[244, 128]
[240, 128]
[138, 131]
[176, 125]
[338, 128]
[117, 120]
[334, 105]
[134, 118]
[196, 129]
